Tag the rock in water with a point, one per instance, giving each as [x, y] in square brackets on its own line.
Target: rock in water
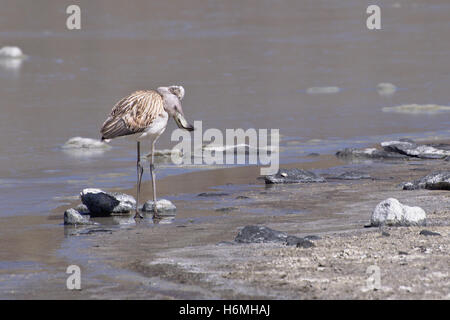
[413, 150]
[391, 212]
[386, 89]
[73, 217]
[293, 176]
[162, 205]
[351, 175]
[11, 52]
[261, 234]
[84, 143]
[439, 180]
[102, 203]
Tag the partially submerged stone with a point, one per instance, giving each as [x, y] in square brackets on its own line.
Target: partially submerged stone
[386, 89]
[439, 180]
[11, 52]
[162, 205]
[392, 213]
[73, 217]
[102, 203]
[293, 176]
[412, 149]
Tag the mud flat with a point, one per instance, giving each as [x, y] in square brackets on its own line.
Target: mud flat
[195, 256]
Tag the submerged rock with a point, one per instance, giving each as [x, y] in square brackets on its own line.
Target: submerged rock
[73, 217]
[11, 52]
[351, 175]
[261, 234]
[293, 176]
[102, 203]
[162, 205]
[439, 180]
[369, 153]
[213, 194]
[84, 143]
[411, 149]
[392, 213]
[386, 89]
[323, 90]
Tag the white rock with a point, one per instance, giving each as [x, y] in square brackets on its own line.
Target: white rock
[84, 143]
[391, 212]
[73, 217]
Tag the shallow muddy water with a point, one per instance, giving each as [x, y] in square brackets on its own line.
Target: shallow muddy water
[308, 68]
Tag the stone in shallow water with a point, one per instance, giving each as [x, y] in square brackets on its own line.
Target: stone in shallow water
[293, 176]
[412, 149]
[439, 180]
[102, 203]
[429, 233]
[351, 175]
[84, 143]
[391, 212]
[162, 205]
[369, 153]
[261, 234]
[73, 217]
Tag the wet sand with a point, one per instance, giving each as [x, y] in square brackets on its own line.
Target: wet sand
[194, 256]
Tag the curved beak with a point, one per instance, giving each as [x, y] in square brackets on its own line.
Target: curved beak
[182, 122]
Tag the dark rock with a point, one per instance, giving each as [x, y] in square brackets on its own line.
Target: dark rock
[73, 217]
[304, 243]
[312, 237]
[447, 159]
[101, 203]
[439, 180]
[260, 234]
[293, 176]
[369, 153]
[403, 253]
[299, 242]
[385, 234]
[212, 194]
[429, 233]
[242, 197]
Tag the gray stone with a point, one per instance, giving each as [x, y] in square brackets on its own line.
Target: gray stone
[412, 149]
[439, 180]
[162, 205]
[299, 242]
[369, 153]
[293, 176]
[260, 234]
[82, 209]
[391, 212]
[73, 217]
[102, 203]
[429, 233]
[212, 194]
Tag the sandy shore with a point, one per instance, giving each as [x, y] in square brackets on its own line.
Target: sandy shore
[195, 257]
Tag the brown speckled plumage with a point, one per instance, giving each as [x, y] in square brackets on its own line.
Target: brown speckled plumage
[133, 114]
